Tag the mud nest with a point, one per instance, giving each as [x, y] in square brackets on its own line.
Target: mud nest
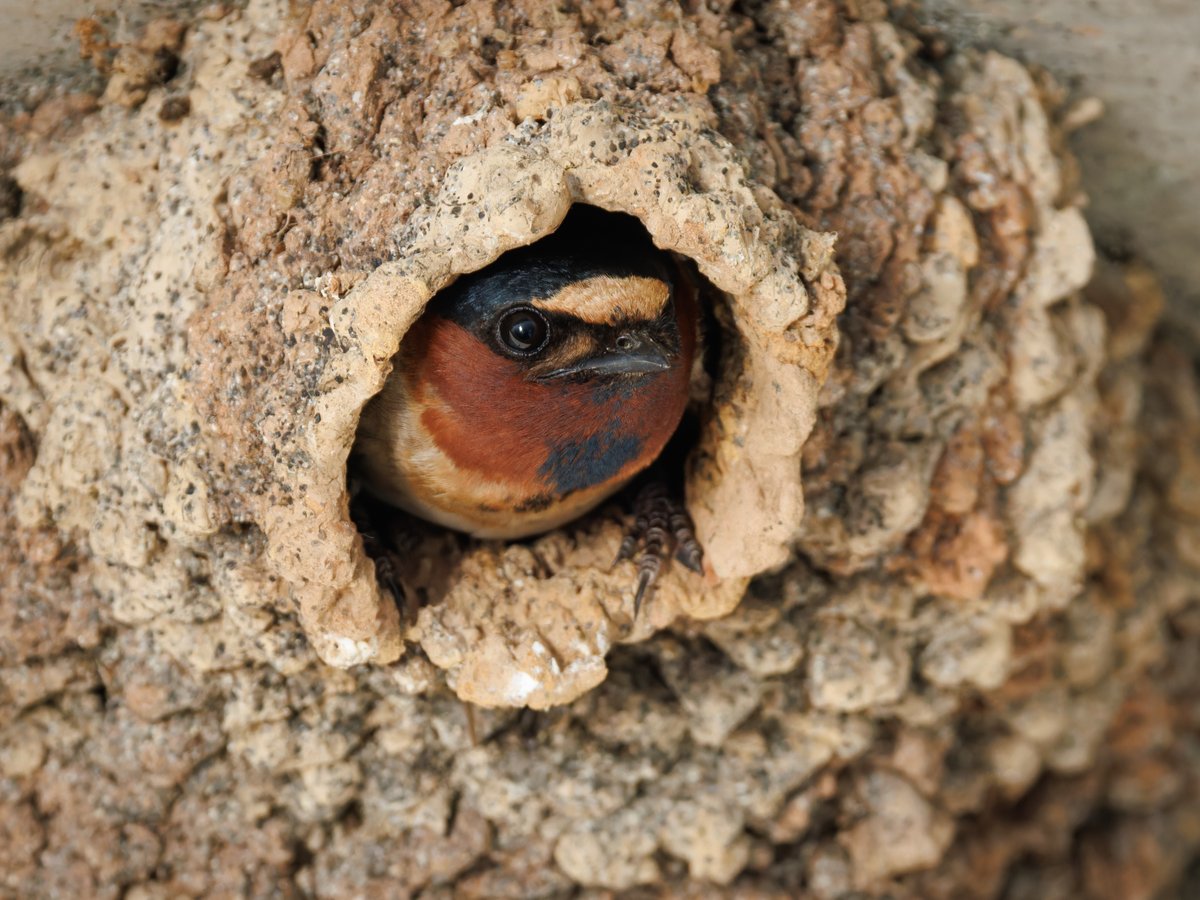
[948, 641]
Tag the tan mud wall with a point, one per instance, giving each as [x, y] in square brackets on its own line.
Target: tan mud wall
[1138, 57]
[1140, 165]
[972, 668]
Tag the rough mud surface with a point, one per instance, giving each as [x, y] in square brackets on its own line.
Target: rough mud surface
[977, 678]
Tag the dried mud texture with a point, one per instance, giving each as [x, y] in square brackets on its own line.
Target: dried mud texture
[979, 678]
[532, 625]
[359, 173]
[390, 173]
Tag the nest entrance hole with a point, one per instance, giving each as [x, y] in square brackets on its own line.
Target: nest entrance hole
[419, 561]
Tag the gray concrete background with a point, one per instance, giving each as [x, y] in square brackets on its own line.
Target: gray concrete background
[1141, 57]
[37, 33]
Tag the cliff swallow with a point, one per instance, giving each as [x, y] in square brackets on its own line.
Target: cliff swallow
[530, 391]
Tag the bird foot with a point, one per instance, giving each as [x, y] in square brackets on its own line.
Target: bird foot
[661, 524]
[381, 552]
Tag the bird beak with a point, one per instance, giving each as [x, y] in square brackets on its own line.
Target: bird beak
[633, 354]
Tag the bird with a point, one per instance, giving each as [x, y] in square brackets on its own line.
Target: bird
[532, 390]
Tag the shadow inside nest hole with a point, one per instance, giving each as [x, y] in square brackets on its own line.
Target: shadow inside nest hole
[418, 560]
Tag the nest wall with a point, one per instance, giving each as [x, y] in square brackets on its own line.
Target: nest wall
[968, 668]
[338, 235]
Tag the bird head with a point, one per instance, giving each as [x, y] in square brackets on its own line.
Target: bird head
[588, 304]
[557, 325]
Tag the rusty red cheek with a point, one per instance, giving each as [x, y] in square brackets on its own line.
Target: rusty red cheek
[538, 438]
[476, 402]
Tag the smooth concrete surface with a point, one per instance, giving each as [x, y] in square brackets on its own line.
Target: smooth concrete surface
[37, 33]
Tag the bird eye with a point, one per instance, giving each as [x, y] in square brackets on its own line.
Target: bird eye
[523, 330]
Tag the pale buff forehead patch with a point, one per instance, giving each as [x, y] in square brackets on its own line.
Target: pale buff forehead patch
[606, 300]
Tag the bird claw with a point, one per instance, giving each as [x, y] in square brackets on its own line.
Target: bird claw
[687, 549]
[661, 524]
[381, 554]
[692, 557]
[627, 548]
[385, 575]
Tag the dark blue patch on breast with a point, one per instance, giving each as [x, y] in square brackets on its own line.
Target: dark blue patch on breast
[575, 465]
